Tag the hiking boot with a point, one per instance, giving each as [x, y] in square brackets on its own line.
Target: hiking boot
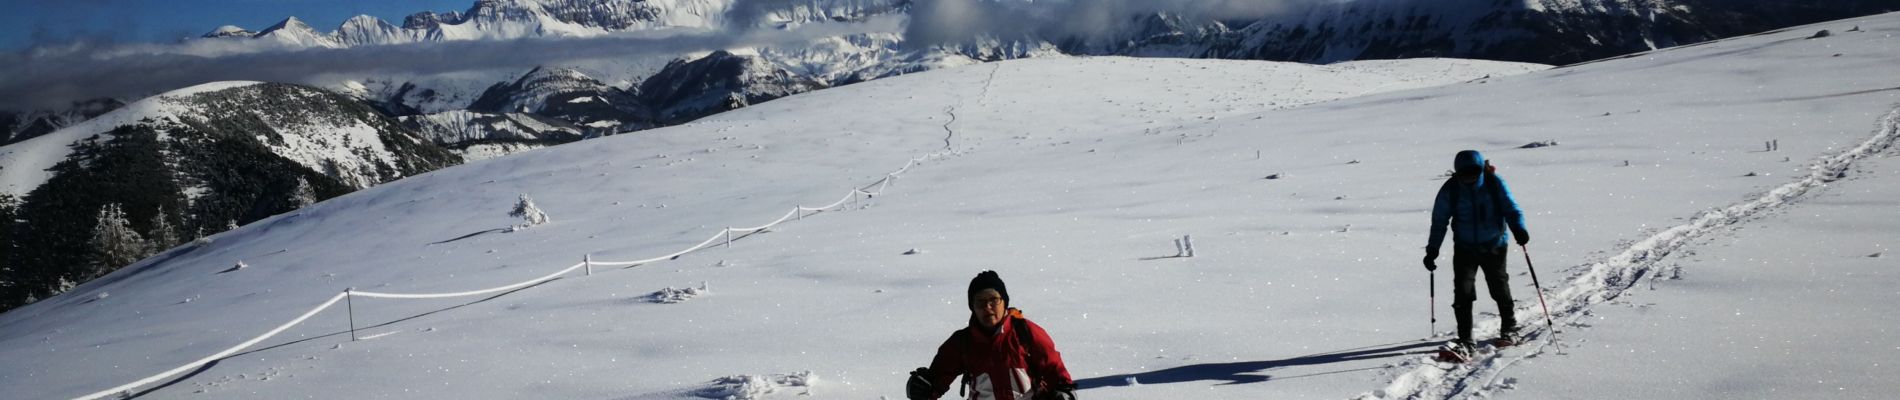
[1508, 338]
[1456, 351]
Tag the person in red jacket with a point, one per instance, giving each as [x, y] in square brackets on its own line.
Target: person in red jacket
[1000, 356]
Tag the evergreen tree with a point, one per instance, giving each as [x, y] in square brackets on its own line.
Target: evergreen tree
[304, 195]
[10, 279]
[163, 234]
[114, 244]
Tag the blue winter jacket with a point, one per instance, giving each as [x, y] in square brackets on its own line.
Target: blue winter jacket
[1477, 213]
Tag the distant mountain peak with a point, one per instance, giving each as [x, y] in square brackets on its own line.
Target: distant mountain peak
[295, 32]
[229, 31]
[289, 23]
[365, 29]
[427, 20]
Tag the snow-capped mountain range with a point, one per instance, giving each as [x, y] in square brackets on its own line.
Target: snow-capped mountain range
[515, 19]
[491, 112]
[1540, 31]
[1709, 222]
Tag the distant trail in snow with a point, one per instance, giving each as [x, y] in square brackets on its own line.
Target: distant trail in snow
[987, 82]
[947, 133]
[1595, 283]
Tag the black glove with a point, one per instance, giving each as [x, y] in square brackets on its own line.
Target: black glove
[919, 386]
[1522, 238]
[1431, 261]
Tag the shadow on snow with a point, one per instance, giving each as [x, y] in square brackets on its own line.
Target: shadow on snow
[1235, 373]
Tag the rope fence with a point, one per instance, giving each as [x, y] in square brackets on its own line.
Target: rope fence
[587, 262]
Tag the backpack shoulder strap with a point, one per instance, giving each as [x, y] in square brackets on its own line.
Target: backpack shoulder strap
[1022, 332]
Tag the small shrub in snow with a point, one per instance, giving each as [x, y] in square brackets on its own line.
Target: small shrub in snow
[1533, 145]
[1823, 33]
[913, 252]
[529, 214]
[753, 387]
[669, 295]
[63, 285]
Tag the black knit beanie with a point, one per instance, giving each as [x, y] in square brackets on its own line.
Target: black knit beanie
[987, 280]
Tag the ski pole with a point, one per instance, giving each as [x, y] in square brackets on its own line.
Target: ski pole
[1434, 304]
[1540, 288]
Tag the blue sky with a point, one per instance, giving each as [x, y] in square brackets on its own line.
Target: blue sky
[28, 22]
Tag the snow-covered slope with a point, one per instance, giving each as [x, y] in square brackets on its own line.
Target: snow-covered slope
[186, 164]
[567, 94]
[1543, 31]
[16, 126]
[718, 82]
[1069, 176]
[476, 135]
[27, 162]
[349, 148]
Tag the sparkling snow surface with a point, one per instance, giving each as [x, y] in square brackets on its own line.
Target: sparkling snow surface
[1072, 177]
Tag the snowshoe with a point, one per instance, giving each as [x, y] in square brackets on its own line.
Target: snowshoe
[1507, 339]
[1455, 352]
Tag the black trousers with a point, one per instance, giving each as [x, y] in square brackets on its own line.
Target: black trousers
[1465, 264]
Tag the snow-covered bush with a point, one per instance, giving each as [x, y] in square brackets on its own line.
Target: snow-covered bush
[529, 214]
[669, 295]
[751, 387]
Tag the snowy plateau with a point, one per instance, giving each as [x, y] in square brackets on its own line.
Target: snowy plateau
[1681, 257]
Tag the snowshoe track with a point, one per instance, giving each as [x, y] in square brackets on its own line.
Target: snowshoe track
[1594, 283]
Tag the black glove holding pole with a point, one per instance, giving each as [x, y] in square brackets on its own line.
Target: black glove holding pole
[919, 386]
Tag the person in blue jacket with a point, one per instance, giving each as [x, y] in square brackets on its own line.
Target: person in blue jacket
[1477, 207]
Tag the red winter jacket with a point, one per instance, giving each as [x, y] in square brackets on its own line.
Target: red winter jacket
[999, 366]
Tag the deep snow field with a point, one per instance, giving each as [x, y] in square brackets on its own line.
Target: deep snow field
[1072, 177]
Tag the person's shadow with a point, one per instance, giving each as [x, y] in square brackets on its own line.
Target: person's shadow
[1250, 371]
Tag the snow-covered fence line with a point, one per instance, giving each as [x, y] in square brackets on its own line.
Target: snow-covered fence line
[587, 262]
[217, 356]
[478, 292]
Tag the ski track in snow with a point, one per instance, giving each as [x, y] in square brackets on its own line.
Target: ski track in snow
[1595, 283]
